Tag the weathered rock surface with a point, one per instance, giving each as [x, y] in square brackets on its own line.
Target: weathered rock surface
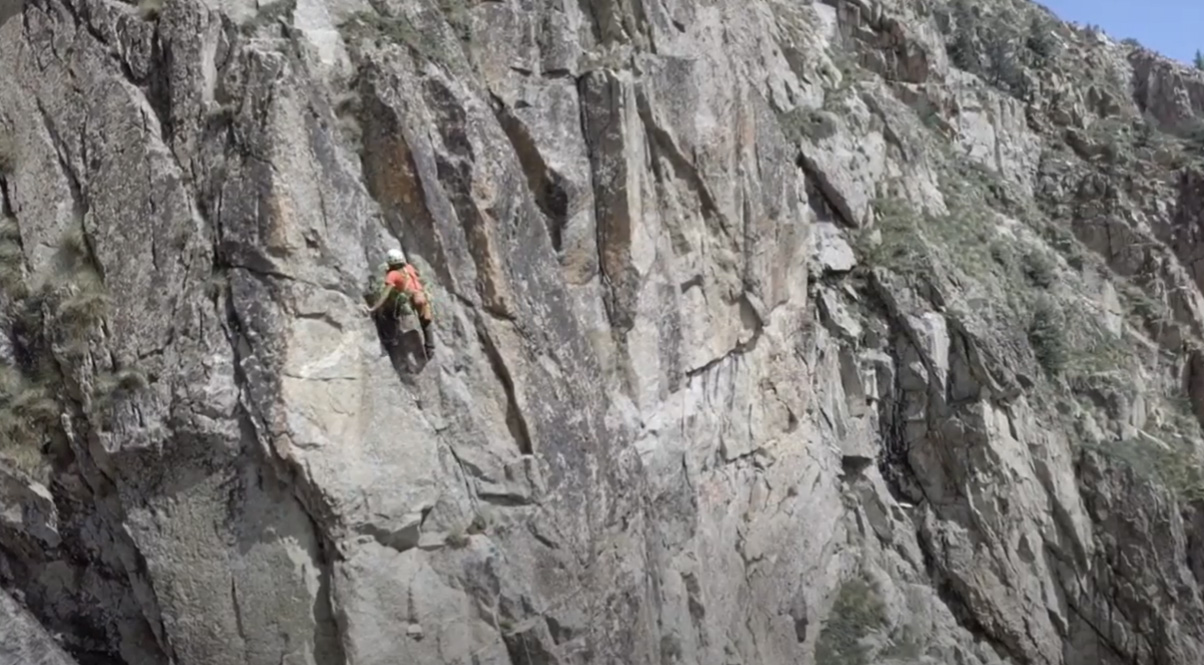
[768, 332]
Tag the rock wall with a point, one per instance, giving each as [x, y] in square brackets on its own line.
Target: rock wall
[767, 332]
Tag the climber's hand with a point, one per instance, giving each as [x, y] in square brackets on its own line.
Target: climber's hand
[365, 309]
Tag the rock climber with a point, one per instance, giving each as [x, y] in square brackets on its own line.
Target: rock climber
[401, 288]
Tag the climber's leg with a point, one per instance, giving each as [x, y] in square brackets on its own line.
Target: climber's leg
[391, 316]
[428, 336]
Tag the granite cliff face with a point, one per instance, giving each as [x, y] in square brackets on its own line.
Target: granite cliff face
[770, 332]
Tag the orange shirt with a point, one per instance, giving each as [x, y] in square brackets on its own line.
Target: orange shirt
[405, 280]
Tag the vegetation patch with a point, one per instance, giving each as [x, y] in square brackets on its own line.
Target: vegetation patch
[811, 124]
[150, 10]
[1039, 268]
[908, 645]
[1046, 333]
[1008, 277]
[53, 321]
[1064, 242]
[456, 13]
[12, 259]
[1166, 453]
[1146, 308]
[1010, 45]
[997, 46]
[857, 612]
[74, 294]
[28, 413]
[280, 11]
[424, 43]
[8, 153]
[964, 241]
[109, 387]
[1190, 132]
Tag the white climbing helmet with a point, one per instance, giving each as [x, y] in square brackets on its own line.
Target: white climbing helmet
[395, 257]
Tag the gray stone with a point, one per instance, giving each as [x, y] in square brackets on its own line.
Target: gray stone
[672, 416]
[23, 641]
[831, 252]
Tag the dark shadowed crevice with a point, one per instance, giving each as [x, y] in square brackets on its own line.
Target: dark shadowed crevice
[526, 648]
[546, 185]
[515, 421]
[404, 348]
[328, 629]
[6, 201]
[156, 86]
[602, 112]
[661, 144]
[947, 592]
[391, 175]
[1102, 639]
[327, 632]
[503, 500]
[238, 620]
[258, 383]
[591, 158]
[819, 186]
[752, 322]
[456, 177]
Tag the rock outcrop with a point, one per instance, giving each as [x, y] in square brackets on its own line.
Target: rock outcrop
[768, 332]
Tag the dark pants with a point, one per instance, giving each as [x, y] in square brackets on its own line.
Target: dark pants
[392, 313]
[428, 336]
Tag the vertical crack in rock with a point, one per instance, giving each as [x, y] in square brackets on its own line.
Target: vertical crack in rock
[327, 631]
[391, 173]
[602, 99]
[515, 421]
[546, 185]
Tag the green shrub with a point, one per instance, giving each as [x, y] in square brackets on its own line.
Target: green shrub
[27, 413]
[150, 9]
[457, 16]
[456, 539]
[1065, 243]
[1003, 253]
[1165, 455]
[110, 386]
[857, 612]
[68, 301]
[1040, 39]
[1040, 270]
[812, 124]
[8, 153]
[12, 259]
[84, 307]
[962, 48]
[398, 30]
[1047, 336]
[75, 293]
[899, 244]
[1004, 68]
[273, 13]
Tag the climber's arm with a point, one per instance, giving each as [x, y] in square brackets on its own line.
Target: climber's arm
[384, 296]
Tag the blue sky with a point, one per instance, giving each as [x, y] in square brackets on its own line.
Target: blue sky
[1173, 27]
